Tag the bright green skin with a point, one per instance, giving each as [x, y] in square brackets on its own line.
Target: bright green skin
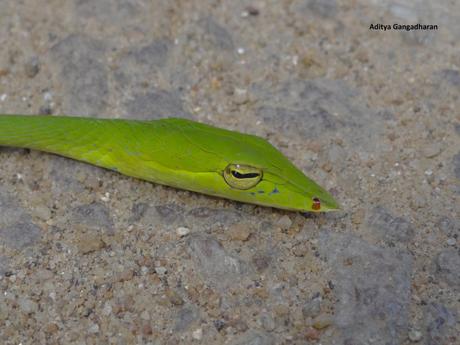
[174, 152]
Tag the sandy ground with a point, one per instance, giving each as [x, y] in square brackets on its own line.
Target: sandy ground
[88, 256]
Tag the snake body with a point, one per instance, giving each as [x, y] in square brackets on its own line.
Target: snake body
[175, 152]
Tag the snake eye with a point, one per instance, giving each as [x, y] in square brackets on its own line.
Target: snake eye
[242, 176]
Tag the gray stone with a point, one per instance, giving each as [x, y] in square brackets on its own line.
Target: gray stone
[448, 266]
[185, 317]
[217, 267]
[388, 226]
[267, 321]
[151, 56]
[432, 150]
[164, 214]
[456, 163]
[32, 67]
[372, 287]
[10, 210]
[137, 68]
[386, 115]
[112, 11]
[449, 226]
[170, 213]
[440, 324]
[155, 104]
[4, 265]
[16, 227]
[451, 241]
[415, 335]
[284, 222]
[83, 72]
[22, 234]
[66, 175]
[140, 63]
[325, 8]
[253, 337]
[262, 260]
[219, 36]
[138, 211]
[95, 215]
[312, 308]
[27, 305]
[215, 217]
[316, 108]
[451, 76]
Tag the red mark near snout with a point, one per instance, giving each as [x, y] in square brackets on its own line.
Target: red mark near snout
[316, 204]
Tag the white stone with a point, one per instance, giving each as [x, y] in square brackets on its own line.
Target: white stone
[182, 231]
[197, 334]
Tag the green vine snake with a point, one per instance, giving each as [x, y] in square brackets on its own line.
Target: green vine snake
[175, 152]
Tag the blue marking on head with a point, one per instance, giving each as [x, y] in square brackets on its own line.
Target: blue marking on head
[274, 191]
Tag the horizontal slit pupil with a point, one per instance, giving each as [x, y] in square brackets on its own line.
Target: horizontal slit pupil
[248, 175]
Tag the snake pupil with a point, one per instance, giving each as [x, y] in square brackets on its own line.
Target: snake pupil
[237, 174]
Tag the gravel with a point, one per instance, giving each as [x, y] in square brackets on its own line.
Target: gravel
[372, 286]
[88, 256]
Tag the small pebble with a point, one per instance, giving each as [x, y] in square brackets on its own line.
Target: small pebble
[250, 11]
[107, 310]
[433, 150]
[219, 324]
[327, 167]
[42, 212]
[300, 249]
[46, 109]
[239, 325]
[240, 96]
[358, 216]
[174, 298]
[284, 222]
[88, 243]
[182, 231]
[451, 241]
[197, 334]
[161, 271]
[123, 276]
[21, 275]
[312, 334]
[322, 321]
[415, 335]
[239, 232]
[145, 315]
[146, 329]
[312, 308]
[268, 322]
[94, 328]
[48, 96]
[27, 306]
[32, 67]
[51, 328]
